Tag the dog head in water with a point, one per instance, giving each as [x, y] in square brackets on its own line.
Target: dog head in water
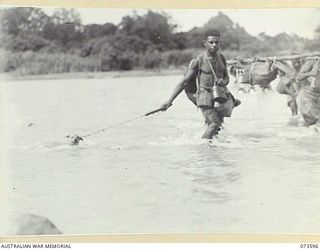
[75, 139]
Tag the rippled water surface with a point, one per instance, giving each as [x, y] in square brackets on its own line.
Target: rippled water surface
[154, 174]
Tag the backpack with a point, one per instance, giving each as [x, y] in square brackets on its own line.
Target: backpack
[191, 88]
[192, 85]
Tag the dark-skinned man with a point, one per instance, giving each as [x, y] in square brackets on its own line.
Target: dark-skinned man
[210, 69]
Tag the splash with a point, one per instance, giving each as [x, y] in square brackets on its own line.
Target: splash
[189, 139]
[183, 140]
[297, 128]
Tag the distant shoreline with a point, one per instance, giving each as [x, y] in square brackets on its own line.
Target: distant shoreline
[95, 75]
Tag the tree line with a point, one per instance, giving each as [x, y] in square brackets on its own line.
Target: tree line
[33, 42]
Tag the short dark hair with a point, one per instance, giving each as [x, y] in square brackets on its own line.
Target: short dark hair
[212, 32]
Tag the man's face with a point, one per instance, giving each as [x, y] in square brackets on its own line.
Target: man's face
[212, 44]
[296, 64]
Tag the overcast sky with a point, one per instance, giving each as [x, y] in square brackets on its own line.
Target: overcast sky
[302, 22]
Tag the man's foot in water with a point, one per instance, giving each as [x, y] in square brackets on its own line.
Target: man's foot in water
[211, 143]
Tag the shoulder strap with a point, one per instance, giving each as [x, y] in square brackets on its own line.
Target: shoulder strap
[212, 70]
[199, 59]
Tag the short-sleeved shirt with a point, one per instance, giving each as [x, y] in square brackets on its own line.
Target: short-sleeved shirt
[206, 77]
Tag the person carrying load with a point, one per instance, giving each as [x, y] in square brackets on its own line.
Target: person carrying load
[288, 85]
[208, 72]
[262, 72]
[308, 99]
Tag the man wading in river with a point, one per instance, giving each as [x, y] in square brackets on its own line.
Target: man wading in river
[288, 84]
[308, 99]
[209, 72]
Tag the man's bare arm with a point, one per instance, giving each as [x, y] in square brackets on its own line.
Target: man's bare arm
[226, 78]
[308, 69]
[180, 87]
[285, 69]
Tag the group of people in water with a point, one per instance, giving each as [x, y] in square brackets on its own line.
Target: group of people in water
[206, 79]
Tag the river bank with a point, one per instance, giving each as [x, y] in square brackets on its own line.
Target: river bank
[82, 75]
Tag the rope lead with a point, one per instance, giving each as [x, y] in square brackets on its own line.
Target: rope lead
[76, 139]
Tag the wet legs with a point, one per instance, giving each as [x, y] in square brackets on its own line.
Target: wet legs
[293, 107]
[213, 121]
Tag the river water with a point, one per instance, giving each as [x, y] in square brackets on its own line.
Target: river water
[154, 174]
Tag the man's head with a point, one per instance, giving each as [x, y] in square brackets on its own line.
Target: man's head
[212, 42]
[296, 63]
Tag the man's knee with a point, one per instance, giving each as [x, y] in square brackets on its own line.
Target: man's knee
[215, 127]
[293, 107]
[211, 116]
[211, 131]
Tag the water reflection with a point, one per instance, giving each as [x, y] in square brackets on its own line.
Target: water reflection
[213, 176]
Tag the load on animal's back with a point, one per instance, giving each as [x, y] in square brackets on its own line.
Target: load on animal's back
[259, 73]
[263, 72]
[254, 72]
[301, 84]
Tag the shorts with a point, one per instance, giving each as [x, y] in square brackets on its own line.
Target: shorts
[211, 116]
[205, 98]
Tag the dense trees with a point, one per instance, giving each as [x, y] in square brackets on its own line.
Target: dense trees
[139, 41]
[15, 21]
[153, 27]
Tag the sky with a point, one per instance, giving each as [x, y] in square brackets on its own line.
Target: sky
[298, 21]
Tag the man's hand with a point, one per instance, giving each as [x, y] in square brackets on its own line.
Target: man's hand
[219, 82]
[315, 69]
[166, 105]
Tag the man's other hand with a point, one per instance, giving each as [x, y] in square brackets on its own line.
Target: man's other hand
[166, 105]
[220, 82]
